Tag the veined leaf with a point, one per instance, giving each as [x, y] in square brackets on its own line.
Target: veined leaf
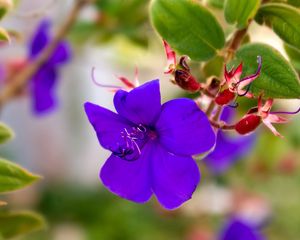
[6, 133]
[4, 35]
[216, 3]
[277, 79]
[188, 27]
[240, 12]
[19, 223]
[14, 177]
[283, 19]
[294, 56]
[295, 3]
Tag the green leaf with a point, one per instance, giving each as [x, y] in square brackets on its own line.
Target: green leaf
[14, 177]
[5, 6]
[283, 19]
[295, 3]
[216, 3]
[6, 133]
[294, 56]
[188, 27]
[240, 12]
[213, 67]
[4, 35]
[277, 79]
[19, 223]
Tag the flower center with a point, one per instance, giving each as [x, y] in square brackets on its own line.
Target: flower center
[133, 140]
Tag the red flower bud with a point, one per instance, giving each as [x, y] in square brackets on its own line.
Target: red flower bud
[186, 81]
[248, 124]
[225, 97]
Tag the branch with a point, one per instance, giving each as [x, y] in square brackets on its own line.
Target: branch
[221, 125]
[235, 42]
[20, 79]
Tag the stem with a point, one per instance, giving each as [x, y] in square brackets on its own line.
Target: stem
[218, 113]
[19, 80]
[235, 42]
[210, 108]
[221, 125]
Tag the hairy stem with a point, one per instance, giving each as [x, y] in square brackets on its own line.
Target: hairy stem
[221, 125]
[20, 79]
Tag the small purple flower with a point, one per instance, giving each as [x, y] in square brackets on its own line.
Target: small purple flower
[151, 144]
[228, 149]
[240, 230]
[45, 80]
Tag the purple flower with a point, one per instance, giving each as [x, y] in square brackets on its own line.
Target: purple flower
[45, 80]
[228, 149]
[151, 145]
[240, 230]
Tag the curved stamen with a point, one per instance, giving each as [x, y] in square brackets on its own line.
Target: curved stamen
[259, 61]
[100, 84]
[246, 91]
[280, 112]
[133, 140]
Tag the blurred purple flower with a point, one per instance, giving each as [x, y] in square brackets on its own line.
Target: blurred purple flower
[228, 149]
[45, 80]
[151, 145]
[240, 230]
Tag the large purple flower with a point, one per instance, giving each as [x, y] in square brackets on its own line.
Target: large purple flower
[228, 149]
[151, 145]
[43, 83]
[240, 230]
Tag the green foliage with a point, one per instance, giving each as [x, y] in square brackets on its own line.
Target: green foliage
[240, 12]
[294, 56]
[216, 3]
[188, 27]
[18, 223]
[278, 79]
[5, 5]
[105, 216]
[295, 3]
[14, 177]
[213, 67]
[116, 18]
[283, 19]
[6, 133]
[4, 35]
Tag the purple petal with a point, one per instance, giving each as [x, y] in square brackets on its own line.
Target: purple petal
[40, 38]
[107, 124]
[238, 230]
[227, 151]
[61, 54]
[228, 114]
[174, 178]
[129, 179]
[42, 88]
[184, 129]
[141, 105]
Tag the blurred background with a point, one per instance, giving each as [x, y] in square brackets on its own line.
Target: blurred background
[115, 37]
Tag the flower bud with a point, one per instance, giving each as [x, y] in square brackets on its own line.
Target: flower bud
[225, 97]
[186, 81]
[248, 124]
